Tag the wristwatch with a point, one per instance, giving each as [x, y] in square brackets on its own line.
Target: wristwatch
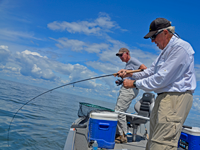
[134, 84]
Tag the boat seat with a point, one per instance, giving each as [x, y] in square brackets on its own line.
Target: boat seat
[143, 107]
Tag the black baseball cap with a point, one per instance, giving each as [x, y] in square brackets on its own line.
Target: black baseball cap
[157, 24]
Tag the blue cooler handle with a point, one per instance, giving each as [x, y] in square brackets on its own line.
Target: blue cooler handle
[184, 136]
[104, 126]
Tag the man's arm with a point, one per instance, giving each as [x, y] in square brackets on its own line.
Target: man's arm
[142, 66]
[172, 70]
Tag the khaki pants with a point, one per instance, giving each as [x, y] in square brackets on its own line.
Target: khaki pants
[123, 102]
[166, 120]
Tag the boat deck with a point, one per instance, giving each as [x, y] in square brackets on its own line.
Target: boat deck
[77, 140]
[140, 144]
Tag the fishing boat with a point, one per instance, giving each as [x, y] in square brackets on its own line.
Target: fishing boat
[97, 124]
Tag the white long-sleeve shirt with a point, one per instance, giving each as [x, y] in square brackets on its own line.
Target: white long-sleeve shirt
[172, 71]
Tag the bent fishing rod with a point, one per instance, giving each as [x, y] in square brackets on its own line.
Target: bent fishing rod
[72, 83]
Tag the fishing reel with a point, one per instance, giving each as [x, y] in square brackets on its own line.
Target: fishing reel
[119, 81]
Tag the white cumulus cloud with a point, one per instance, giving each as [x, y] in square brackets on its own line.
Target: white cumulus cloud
[98, 26]
[27, 52]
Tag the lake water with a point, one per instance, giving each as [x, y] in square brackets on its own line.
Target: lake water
[44, 123]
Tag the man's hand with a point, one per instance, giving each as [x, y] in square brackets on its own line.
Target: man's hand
[128, 83]
[123, 73]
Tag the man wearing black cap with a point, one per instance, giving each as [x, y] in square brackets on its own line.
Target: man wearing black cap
[125, 95]
[172, 77]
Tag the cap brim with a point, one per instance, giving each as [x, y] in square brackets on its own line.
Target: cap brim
[119, 53]
[149, 34]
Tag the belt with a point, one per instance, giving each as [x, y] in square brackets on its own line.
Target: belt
[172, 92]
[160, 93]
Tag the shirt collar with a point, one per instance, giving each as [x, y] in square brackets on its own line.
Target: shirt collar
[171, 41]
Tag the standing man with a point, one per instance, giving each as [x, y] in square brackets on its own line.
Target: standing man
[172, 77]
[125, 95]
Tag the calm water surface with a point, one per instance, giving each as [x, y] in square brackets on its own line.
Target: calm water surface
[43, 124]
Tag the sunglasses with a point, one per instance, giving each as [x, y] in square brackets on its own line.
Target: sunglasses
[154, 36]
[120, 55]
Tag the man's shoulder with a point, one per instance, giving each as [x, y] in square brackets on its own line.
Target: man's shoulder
[133, 59]
[179, 47]
[133, 64]
[180, 43]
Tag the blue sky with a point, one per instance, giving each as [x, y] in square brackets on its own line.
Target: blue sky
[49, 43]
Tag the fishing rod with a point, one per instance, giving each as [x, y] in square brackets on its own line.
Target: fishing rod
[72, 83]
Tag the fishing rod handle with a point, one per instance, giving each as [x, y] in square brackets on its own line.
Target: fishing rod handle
[131, 71]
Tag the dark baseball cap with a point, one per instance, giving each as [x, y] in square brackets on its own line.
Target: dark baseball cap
[122, 50]
[157, 24]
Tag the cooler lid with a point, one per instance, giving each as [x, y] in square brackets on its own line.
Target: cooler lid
[194, 131]
[104, 115]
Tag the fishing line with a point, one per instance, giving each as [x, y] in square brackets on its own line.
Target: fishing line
[115, 74]
[50, 91]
